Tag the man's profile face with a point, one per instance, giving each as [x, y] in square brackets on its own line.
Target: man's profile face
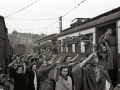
[94, 60]
[34, 67]
[68, 59]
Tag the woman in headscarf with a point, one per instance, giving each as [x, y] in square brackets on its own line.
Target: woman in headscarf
[62, 78]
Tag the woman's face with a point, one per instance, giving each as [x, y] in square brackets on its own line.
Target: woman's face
[44, 64]
[20, 70]
[110, 32]
[64, 72]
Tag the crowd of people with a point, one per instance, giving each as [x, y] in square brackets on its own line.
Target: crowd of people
[32, 71]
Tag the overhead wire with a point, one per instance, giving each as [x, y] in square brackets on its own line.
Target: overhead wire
[56, 15]
[50, 25]
[30, 29]
[22, 9]
[31, 19]
[98, 6]
[43, 19]
[67, 13]
[74, 8]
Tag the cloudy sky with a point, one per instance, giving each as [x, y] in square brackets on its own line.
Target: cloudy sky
[43, 15]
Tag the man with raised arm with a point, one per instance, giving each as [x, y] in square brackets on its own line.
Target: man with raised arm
[91, 76]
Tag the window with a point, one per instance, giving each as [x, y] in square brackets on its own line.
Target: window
[77, 47]
[70, 48]
[87, 43]
[59, 47]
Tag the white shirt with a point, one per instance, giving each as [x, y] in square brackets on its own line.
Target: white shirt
[35, 81]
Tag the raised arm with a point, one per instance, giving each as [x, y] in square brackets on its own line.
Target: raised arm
[74, 57]
[59, 60]
[56, 75]
[12, 64]
[83, 63]
[50, 67]
[70, 64]
[85, 40]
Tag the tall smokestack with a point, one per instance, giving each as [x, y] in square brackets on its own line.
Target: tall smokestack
[60, 23]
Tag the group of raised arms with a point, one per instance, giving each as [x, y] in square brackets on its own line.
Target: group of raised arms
[32, 71]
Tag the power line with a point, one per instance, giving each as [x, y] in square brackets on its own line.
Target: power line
[56, 15]
[22, 9]
[62, 8]
[66, 13]
[74, 8]
[50, 25]
[31, 19]
[35, 19]
[31, 29]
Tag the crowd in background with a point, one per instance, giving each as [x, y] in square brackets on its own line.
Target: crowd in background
[32, 71]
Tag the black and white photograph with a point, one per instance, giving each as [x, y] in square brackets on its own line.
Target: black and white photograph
[59, 44]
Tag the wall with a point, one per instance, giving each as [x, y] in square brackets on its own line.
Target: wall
[118, 55]
[2, 61]
[118, 25]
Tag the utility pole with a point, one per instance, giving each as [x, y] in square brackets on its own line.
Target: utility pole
[60, 23]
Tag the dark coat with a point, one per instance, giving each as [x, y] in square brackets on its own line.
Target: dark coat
[31, 75]
[44, 83]
[20, 80]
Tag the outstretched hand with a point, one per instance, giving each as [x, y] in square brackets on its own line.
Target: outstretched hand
[59, 60]
[91, 55]
[75, 57]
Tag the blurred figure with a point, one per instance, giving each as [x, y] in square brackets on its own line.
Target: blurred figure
[104, 55]
[95, 48]
[117, 87]
[53, 58]
[32, 77]
[109, 41]
[41, 59]
[43, 72]
[91, 76]
[14, 63]
[62, 78]
[9, 84]
[68, 61]
[22, 62]
[20, 78]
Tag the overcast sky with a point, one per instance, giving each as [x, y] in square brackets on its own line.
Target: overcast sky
[42, 14]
